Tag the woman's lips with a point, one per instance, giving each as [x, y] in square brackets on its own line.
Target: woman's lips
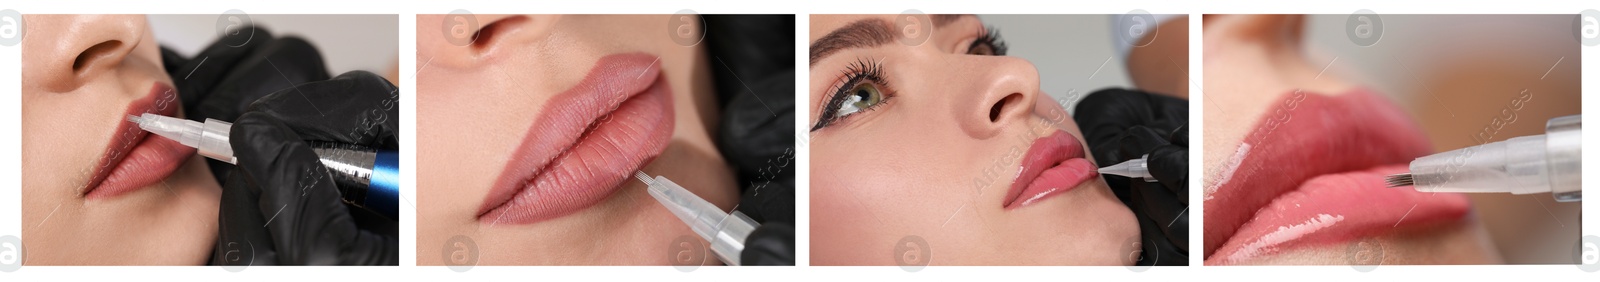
[1054, 165]
[132, 161]
[585, 143]
[1307, 174]
[1337, 208]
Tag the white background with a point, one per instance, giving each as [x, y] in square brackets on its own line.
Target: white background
[10, 165]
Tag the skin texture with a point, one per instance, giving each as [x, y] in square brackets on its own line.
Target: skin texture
[1250, 61]
[68, 119]
[476, 102]
[917, 165]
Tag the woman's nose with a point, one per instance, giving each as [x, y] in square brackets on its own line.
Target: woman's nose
[1006, 90]
[90, 47]
[468, 40]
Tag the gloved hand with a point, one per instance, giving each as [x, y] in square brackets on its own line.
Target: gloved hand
[764, 159]
[754, 79]
[771, 243]
[1121, 125]
[237, 69]
[279, 204]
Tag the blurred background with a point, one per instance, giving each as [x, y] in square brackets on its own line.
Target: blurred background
[347, 42]
[1454, 74]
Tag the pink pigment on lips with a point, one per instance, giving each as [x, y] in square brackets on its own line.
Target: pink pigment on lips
[1057, 180]
[133, 160]
[1053, 165]
[1336, 208]
[587, 141]
[1306, 136]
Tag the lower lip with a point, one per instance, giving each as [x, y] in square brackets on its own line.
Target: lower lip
[1313, 174]
[148, 160]
[1054, 165]
[1337, 208]
[572, 159]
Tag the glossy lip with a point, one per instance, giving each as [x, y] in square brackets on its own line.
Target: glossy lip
[586, 143]
[131, 160]
[1054, 165]
[1311, 173]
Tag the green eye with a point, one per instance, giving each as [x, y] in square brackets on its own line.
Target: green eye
[864, 89]
[861, 97]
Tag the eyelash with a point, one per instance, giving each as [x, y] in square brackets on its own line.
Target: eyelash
[857, 73]
[863, 71]
[989, 37]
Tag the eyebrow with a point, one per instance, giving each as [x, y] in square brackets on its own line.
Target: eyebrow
[865, 33]
[859, 34]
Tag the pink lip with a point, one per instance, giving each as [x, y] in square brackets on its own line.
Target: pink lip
[1311, 173]
[586, 143]
[132, 162]
[1053, 165]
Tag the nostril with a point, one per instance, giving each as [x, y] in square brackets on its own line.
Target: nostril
[486, 36]
[1000, 106]
[994, 112]
[104, 50]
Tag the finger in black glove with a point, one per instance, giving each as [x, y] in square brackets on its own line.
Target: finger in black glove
[770, 244]
[238, 69]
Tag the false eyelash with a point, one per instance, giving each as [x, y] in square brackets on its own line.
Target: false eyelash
[990, 36]
[860, 71]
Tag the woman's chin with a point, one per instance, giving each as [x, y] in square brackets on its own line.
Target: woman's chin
[1086, 226]
[194, 217]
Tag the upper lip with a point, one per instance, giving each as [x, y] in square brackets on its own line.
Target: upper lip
[1314, 136]
[586, 142]
[159, 157]
[1046, 152]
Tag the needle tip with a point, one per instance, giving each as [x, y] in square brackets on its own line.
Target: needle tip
[134, 118]
[643, 177]
[1397, 180]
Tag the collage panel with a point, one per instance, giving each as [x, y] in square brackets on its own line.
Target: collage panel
[935, 141]
[605, 140]
[1368, 139]
[229, 139]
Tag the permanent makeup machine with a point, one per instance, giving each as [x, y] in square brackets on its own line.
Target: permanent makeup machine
[726, 232]
[366, 177]
[1548, 163]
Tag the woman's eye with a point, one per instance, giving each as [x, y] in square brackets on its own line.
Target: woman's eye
[981, 49]
[988, 43]
[863, 96]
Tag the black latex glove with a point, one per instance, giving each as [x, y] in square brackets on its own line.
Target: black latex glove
[237, 69]
[770, 244]
[1121, 125]
[279, 204]
[753, 63]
